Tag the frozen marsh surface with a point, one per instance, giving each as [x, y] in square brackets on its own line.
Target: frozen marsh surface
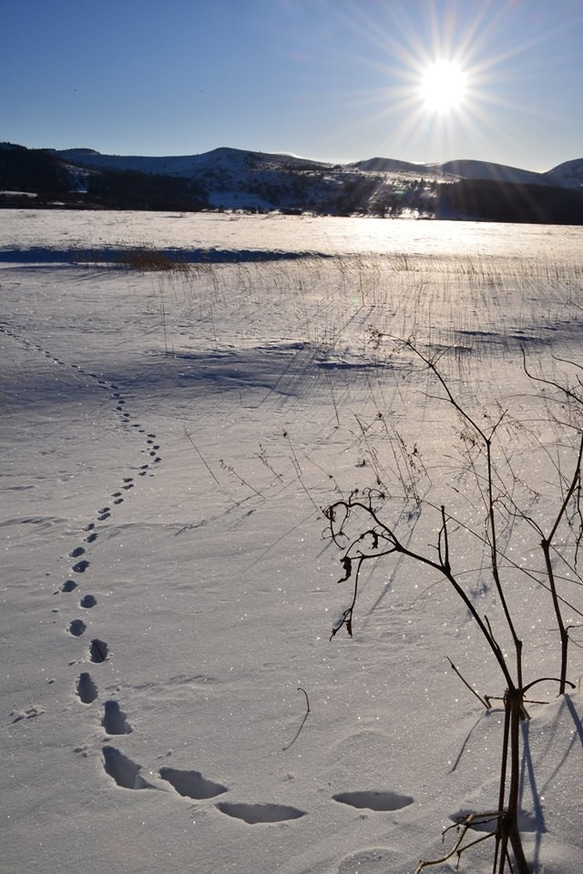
[169, 442]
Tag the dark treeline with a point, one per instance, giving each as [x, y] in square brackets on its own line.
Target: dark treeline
[127, 189]
[34, 170]
[58, 183]
[487, 200]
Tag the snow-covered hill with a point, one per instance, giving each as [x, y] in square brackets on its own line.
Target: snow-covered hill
[250, 180]
[234, 178]
[223, 159]
[569, 174]
[466, 169]
[237, 178]
[232, 159]
[393, 165]
[239, 161]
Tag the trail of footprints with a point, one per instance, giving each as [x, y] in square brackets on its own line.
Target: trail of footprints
[114, 720]
[126, 773]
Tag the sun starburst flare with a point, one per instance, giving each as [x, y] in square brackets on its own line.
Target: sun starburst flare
[443, 86]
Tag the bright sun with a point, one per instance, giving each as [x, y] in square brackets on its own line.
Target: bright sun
[443, 86]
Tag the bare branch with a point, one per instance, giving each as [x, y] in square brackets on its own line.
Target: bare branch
[484, 702]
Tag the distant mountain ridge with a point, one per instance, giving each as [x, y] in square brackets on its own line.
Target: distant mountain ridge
[496, 172]
[569, 174]
[228, 178]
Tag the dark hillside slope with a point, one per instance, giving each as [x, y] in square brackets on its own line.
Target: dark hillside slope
[487, 200]
[469, 169]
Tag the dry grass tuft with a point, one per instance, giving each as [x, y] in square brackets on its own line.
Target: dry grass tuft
[149, 260]
[142, 260]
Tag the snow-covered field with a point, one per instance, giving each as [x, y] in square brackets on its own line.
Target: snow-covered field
[169, 441]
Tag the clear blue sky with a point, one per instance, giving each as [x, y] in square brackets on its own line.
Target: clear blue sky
[331, 80]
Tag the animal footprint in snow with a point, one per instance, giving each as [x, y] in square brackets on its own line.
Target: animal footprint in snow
[192, 784]
[29, 713]
[114, 720]
[258, 813]
[125, 772]
[86, 689]
[98, 651]
[88, 601]
[77, 627]
[374, 800]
